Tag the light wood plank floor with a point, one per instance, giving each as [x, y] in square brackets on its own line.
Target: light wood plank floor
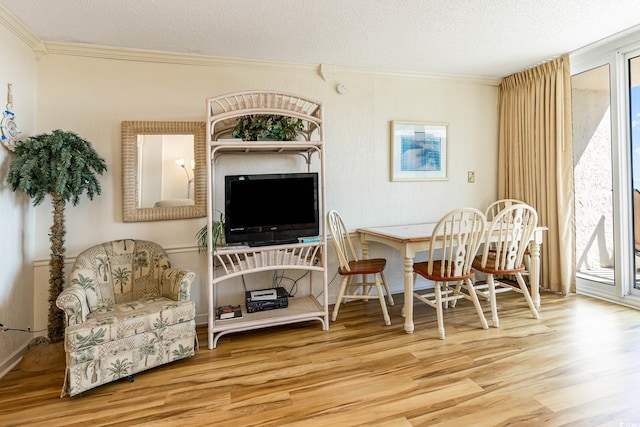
[579, 365]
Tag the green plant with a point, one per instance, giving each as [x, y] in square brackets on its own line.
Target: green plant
[279, 128]
[62, 165]
[217, 227]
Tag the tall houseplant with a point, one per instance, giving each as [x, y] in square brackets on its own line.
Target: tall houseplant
[62, 165]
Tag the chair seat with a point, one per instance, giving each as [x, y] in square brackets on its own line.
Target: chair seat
[491, 260]
[129, 319]
[422, 269]
[365, 266]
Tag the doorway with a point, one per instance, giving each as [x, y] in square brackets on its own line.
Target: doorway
[633, 64]
[593, 177]
[606, 140]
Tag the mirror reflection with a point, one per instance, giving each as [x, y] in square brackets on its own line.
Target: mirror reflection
[167, 167]
[164, 171]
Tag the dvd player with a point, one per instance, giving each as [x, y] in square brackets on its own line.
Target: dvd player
[266, 299]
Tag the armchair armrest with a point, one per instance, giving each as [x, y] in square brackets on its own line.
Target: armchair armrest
[73, 301]
[176, 283]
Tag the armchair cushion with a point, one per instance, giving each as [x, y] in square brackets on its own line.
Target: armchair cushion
[127, 310]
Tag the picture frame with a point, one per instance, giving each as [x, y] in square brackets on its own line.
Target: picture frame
[418, 151]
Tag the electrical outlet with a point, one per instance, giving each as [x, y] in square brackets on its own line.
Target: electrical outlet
[471, 176]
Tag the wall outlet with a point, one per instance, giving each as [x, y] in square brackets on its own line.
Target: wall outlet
[471, 176]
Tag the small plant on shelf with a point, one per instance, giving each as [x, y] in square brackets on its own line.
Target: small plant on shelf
[267, 127]
[217, 227]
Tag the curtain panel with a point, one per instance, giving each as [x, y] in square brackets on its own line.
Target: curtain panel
[535, 161]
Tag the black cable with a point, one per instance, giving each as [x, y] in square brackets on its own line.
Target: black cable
[244, 285]
[3, 329]
[328, 284]
[277, 281]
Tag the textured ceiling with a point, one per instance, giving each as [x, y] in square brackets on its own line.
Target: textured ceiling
[475, 38]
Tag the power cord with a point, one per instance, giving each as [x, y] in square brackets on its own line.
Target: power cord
[3, 329]
[277, 282]
[328, 284]
[244, 284]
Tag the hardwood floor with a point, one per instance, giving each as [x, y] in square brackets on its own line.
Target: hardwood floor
[579, 365]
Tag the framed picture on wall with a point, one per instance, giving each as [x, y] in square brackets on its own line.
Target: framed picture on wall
[418, 151]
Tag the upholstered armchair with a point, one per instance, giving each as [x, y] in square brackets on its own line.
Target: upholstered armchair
[126, 311]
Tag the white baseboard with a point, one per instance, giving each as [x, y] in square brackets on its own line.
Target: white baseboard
[14, 358]
[202, 319]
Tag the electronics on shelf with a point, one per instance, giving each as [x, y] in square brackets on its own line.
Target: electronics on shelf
[268, 209]
[266, 299]
[229, 312]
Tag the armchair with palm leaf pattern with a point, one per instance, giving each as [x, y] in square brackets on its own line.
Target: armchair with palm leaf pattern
[126, 311]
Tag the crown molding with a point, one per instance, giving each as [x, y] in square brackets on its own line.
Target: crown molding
[142, 55]
[324, 70]
[484, 81]
[16, 27]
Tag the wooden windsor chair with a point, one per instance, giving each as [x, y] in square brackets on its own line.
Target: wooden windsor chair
[355, 272]
[506, 242]
[455, 242]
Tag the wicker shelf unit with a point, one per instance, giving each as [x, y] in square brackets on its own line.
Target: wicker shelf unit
[223, 113]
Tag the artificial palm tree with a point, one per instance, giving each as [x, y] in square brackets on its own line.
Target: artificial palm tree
[62, 165]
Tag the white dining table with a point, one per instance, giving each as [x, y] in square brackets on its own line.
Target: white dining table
[414, 238]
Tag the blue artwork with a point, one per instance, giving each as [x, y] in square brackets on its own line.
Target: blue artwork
[420, 152]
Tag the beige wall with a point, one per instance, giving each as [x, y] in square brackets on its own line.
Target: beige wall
[93, 95]
[17, 222]
[91, 91]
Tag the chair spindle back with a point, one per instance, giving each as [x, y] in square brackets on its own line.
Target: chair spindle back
[457, 236]
[494, 208]
[508, 237]
[341, 240]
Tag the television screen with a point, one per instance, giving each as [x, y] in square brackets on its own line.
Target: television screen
[271, 209]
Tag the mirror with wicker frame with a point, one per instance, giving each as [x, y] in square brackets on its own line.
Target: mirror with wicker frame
[133, 210]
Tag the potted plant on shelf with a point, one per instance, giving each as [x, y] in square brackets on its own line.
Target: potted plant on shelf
[62, 165]
[217, 227]
[267, 127]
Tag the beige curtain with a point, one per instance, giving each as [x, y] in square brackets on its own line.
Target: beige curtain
[535, 161]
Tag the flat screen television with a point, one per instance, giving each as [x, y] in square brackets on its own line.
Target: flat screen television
[270, 209]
